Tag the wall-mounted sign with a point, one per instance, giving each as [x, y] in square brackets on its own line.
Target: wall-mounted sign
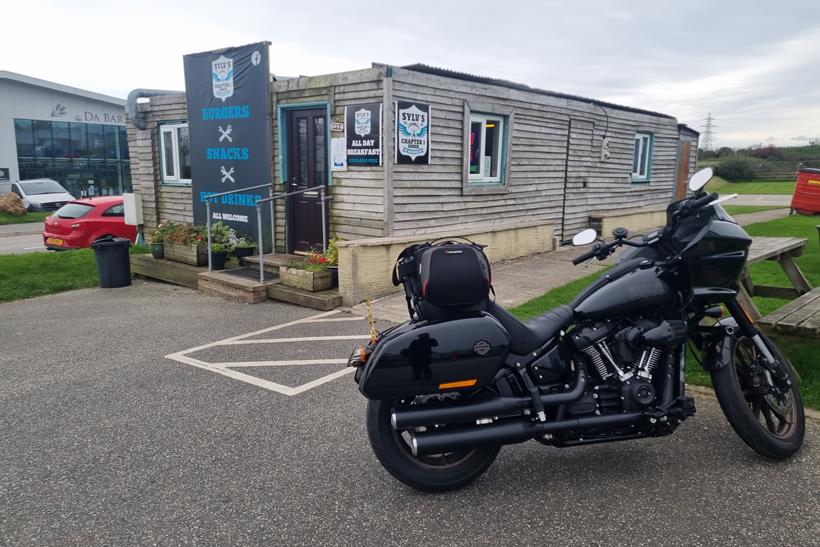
[337, 127]
[338, 154]
[363, 132]
[4, 173]
[229, 125]
[412, 133]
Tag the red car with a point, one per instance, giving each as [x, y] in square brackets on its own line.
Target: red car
[80, 222]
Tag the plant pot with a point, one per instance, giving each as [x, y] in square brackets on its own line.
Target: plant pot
[218, 260]
[158, 250]
[334, 275]
[242, 252]
[305, 280]
[195, 255]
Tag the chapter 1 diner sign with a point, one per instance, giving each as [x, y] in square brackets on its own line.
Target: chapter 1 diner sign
[228, 92]
[412, 133]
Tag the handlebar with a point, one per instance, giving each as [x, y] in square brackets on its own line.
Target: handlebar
[586, 256]
[703, 201]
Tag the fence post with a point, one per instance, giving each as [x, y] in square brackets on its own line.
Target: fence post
[208, 224]
[259, 227]
[324, 221]
[272, 220]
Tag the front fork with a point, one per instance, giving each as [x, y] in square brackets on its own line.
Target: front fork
[773, 368]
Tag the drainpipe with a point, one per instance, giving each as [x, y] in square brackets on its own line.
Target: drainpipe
[131, 106]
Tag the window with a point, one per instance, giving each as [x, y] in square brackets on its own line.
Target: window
[642, 157]
[73, 210]
[175, 149]
[115, 211]
[25, 137]
[486, 147]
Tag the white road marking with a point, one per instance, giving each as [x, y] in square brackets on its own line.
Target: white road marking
[226, 369]
[34, 248]
[287, 340]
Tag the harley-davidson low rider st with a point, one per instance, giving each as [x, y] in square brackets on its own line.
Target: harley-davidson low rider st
[463, 377]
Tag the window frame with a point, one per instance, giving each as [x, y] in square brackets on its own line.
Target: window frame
[474, 111]
[165, 178]
[482, 118]
[643, 141]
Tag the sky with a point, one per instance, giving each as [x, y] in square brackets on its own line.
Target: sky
[754, 65]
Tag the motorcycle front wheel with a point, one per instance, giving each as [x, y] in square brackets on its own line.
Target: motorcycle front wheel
[430, 473]
[771, 422]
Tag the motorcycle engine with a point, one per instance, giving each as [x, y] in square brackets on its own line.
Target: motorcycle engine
[623, 357]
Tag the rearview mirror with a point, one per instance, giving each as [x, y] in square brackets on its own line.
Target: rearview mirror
[585, 237]
[700, 179]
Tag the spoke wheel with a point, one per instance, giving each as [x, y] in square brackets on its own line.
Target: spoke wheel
[768, 419]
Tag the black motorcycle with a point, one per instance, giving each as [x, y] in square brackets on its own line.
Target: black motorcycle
[464, 376]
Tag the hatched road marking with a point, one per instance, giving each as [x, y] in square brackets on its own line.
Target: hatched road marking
[226, 368]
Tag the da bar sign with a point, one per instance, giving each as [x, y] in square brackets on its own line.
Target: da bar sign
[412, 133]
[363, 124]
[229, 123]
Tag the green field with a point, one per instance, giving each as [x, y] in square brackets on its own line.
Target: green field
[36, 274]
[722, 186]
[802, 352]
[6, 218]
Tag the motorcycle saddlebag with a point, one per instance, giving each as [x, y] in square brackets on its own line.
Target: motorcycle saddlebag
[420, 358]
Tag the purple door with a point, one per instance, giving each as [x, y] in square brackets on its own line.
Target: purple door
[307, 168]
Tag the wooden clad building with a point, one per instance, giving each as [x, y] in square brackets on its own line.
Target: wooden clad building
[498, 155]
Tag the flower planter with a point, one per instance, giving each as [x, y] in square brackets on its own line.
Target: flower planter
[305, 280]
[196, 255]
[218, 260]
[157, 250]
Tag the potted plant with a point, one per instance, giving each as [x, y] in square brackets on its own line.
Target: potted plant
[158, 242]
[243, 247]
[332, 256]
[219, 254]
[310, 274]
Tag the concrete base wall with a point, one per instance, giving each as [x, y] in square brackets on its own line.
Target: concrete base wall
[366, 265]
[634, 221]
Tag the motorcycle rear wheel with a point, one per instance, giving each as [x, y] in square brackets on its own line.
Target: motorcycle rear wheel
[773, 427]
[433, 473]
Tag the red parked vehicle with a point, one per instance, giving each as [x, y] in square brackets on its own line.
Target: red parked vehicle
[80, 222]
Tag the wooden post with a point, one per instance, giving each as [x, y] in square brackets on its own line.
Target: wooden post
[388, 131]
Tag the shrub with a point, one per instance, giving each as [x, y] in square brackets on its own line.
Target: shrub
[736, 168]
[12, 204]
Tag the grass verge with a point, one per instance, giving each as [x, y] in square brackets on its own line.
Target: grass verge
[36, 274]
[778, 187]
[744, 209]
[37, 216]
[801, 351]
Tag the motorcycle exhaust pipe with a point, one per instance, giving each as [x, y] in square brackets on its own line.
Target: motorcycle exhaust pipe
[510, 432]
[405, 418]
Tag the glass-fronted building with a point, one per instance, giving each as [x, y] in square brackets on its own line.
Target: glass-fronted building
[73, 136]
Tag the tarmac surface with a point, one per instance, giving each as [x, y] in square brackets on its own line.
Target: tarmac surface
[762, 199]
[105, 440]
[21, 244]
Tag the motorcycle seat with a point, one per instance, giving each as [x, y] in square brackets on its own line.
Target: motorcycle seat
[530, 335]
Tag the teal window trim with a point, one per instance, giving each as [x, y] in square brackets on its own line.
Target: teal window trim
[646, 179]
[505, 132]
[281, 123]
[162, 180]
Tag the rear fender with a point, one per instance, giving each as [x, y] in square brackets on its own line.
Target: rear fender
[720, 345]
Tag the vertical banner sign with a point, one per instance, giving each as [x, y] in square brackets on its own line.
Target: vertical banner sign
[412, 133]
[363, 132]
[230, 129]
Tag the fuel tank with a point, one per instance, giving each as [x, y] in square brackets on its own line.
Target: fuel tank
[636, 291]
[422, 358]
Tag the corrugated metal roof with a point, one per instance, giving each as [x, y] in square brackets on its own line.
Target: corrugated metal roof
[427, 69]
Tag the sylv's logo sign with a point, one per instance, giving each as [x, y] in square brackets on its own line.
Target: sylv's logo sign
[362, 126]
[222, 77]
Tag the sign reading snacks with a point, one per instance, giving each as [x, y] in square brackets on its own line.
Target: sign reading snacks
[363, 132]
[229, 124]
[412, 133]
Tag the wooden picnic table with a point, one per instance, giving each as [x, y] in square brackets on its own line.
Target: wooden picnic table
[782, 250]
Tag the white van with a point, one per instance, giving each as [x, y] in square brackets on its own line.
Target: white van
[38, 194]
